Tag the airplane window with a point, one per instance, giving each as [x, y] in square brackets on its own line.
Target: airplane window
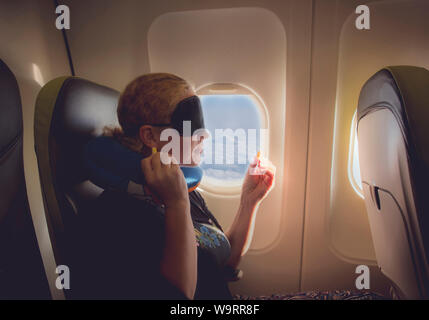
[353, 167]
[233, 118]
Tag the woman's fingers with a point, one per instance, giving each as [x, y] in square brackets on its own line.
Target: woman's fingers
[267, 164]
[146, 165]
[269, 177]
[156, 161]
[254, 162]
[163, 164]
[254, 166]
[174, 162]
[166, 159]
[259, 165]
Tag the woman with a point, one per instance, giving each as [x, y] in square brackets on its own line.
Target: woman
[147, 245]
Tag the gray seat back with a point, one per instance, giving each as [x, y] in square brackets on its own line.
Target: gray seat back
[393, 140]
[21, 269]
[69, 112]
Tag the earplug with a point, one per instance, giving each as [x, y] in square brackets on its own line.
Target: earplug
[154, 150]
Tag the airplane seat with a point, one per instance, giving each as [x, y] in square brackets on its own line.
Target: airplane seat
[69, 112]
[393, 142]
[22, 275]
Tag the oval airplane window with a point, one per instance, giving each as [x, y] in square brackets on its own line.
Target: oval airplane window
[353, 163]
[234, 139]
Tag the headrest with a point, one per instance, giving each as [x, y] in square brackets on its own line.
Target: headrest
[11, 170]
[404, 90]
[69, 112]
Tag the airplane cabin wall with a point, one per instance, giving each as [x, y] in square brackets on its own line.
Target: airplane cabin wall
[322, 267]
[34, 51]
[337, 236]
[109, 45]
[302, 257]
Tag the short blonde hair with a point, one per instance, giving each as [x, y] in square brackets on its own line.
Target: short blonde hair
[148, 99]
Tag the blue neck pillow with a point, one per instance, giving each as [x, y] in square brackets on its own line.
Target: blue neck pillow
[110, 165]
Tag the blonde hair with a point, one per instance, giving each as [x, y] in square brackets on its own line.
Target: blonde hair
[148, 99]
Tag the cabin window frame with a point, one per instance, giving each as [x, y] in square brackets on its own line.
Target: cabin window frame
[214, 185]
[353, 159]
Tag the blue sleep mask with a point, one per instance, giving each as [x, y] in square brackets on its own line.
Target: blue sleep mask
[110, 165]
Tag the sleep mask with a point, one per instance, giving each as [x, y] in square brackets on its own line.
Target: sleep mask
[188, 109]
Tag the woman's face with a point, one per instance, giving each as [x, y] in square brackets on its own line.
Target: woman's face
[187, 150]
[190, 150]
[197, 148]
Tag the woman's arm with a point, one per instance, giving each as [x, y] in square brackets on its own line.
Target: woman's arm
[241, 232]
[179, 260]
[258, 182]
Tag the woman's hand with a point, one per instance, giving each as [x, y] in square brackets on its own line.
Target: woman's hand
[165, 180]
[179, 260]
[258, 182]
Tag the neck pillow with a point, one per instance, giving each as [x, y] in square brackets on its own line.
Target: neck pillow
[110, 165]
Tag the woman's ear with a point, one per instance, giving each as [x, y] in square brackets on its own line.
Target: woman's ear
[148, 136]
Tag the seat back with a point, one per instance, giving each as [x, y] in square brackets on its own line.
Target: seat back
[21, 269]
[393, 142]
[69, 112]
